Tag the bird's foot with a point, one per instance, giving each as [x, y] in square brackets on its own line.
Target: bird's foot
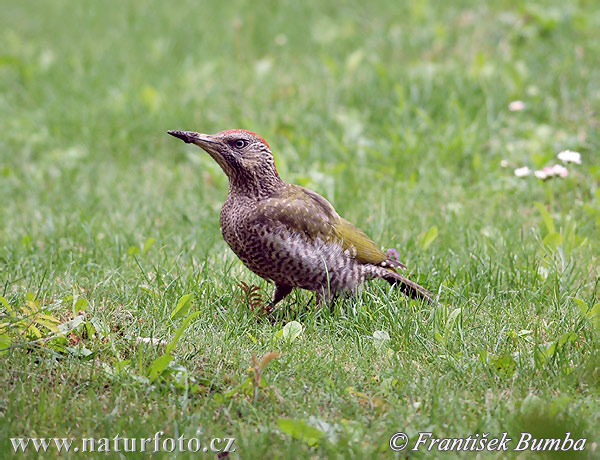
[267, 312]
[266, 309]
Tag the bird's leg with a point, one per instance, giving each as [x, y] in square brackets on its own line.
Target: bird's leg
[325, 297]
[319, 298]
[281, 291]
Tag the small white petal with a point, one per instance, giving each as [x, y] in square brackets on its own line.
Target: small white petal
[569, 156]
[559, 170]
[504, 164]
[150, 340]
[523, 171]
[516, 106]
[541, 174]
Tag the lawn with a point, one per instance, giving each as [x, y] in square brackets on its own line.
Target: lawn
[400, 114]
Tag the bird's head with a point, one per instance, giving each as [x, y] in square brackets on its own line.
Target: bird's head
[243, 155]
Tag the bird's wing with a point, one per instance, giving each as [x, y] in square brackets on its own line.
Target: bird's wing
[358, 243]
[301, 211]
[308, 212]
[353, 238]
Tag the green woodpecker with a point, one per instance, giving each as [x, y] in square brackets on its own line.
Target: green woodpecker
[288, 234]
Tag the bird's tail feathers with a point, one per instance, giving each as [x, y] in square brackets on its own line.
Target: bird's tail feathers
[408, 287]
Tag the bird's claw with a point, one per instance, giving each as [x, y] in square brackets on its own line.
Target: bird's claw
[268, 312]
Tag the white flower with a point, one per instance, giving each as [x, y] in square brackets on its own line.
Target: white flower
[551, 171]
[560, 170]
[516, 106]
[523, 171]
[503, 163]
[568, 156]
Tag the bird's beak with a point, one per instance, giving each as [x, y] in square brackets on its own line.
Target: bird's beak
[204, 141]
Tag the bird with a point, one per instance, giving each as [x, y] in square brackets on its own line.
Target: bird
[288, 234]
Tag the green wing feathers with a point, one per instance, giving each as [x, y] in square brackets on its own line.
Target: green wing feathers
[351, 237]
[305, 211]
[358, 243]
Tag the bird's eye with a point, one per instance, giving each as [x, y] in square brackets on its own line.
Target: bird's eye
[240, 143]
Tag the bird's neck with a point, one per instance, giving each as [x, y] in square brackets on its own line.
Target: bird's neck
[259, 184]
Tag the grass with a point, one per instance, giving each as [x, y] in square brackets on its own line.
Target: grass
[398, 113]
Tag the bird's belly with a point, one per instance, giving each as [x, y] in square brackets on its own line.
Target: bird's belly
[293, 260]
[255, 252]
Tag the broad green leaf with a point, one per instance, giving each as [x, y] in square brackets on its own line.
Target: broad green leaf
[5, 342]
[35, 331]
[180, 330]
[99, 327]
[133, 250]
[583, 307]
[299, 429]
[48, 318]
[546, 217]
[246, 386]
[263, 382]
[291, 331]
[158, 366]
[540, 159]
[148, 244]
[70, 325]
[567, 337]
[452, 317]
[49, 322]
[505, 365]
[80, 305]
[30, 307]
[150, 97]
[79, 351]
[183, 305]
[594, 315]
[539, 358]
[429, 237]
[553, 240]
[4, 303]
[122, 364]
[149, 290]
